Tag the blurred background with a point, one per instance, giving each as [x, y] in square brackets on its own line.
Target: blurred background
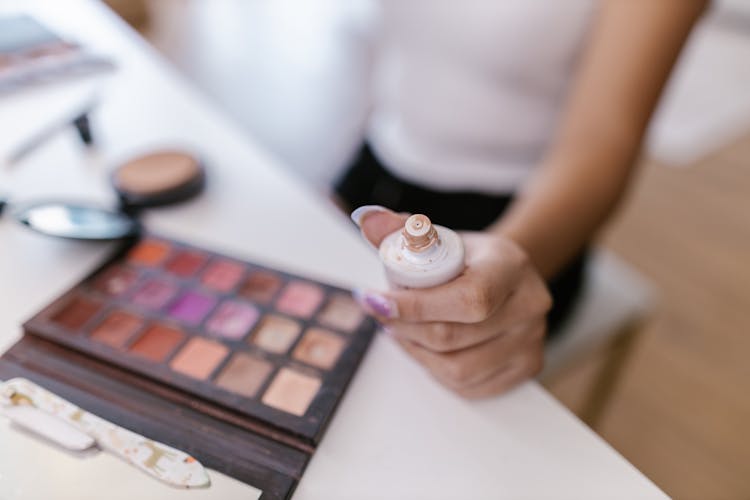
[660, 365]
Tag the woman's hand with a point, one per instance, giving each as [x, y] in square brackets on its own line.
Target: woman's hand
[481, 333]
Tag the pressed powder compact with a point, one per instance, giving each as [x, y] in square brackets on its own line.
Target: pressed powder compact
[237, 364]
[154, 179]
[158, 178]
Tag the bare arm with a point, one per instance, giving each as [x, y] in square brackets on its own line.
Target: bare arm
[632, 49]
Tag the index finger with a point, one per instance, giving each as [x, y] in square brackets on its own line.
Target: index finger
[470, 298]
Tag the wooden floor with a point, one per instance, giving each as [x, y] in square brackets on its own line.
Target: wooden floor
[681, 413]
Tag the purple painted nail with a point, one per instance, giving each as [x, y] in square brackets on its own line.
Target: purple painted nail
[376, 304]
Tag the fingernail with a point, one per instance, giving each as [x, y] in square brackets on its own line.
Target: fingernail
[360, 213]
[376, 304]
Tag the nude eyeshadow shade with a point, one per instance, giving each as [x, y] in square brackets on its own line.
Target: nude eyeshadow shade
[319, 347]
[244, 374]
[157, 342]
[117, 328]
[300, 299]
[292, 391]
[186, 263]
[341, 313]
[76, 313]
[199, 357]
[232, 320]
[222, 275]
[149, 253]
[276, 333]
[260, 287]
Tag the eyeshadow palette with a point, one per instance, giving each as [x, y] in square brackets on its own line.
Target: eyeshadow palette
[238, 364]
[274, 347]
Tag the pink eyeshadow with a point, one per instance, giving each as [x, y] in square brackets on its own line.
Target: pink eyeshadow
[116, 281]
[232, 320]
[222, 275]
[192, 307]
[154, 294]
[300, 298]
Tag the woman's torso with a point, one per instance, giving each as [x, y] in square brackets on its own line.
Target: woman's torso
[468, 94]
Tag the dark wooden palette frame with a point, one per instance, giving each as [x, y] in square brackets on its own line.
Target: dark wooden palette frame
[98, 377]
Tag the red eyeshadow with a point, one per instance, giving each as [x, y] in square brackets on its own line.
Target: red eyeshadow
[223, 275]
[117, 328]
[157, 342]
[149, 253]
[186, 263]
[260, 287]
[74, 315]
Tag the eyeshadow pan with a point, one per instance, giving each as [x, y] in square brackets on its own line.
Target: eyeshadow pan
[186, 263]
[222, 275]
[320, 348]
[199, 358]
[192, 307]
[117, 328]
[244, 374]
[232, 320]
[261, 286]
[291, 391]
[157, 342]
[76, 313]
[300, 298]
[276, 333]
[341, 313]
[116, 281]
[149, 253]
[154, 294]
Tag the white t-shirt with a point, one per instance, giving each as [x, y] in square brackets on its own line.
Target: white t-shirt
[468, 93]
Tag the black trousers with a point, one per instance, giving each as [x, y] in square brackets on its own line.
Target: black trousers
[368, 182]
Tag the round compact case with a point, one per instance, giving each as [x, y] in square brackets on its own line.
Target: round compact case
[158, 178]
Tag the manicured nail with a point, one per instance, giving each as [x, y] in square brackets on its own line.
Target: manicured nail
[359, 214]
[376, 304]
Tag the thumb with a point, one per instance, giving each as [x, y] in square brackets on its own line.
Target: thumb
[377, 222]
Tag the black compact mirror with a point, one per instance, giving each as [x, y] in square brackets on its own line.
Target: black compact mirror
[66, 220]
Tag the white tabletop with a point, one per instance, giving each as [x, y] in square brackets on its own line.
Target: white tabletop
[397, 434]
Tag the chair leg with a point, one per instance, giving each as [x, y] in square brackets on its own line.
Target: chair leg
[604, 384]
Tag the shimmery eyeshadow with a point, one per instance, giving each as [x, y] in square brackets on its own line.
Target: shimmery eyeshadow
[157, 342]
[232, 320]
[186, 263]
[76, 313]
[199, 358]
[192, 307]
[341, 313]
[244, 374]
[292, 391]
[320, 348]
[117, 328]
[116, 281]
[276, 333]
[300, 298]
[222, 275]
[149, 253]
[260, 287]
[154, 294]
